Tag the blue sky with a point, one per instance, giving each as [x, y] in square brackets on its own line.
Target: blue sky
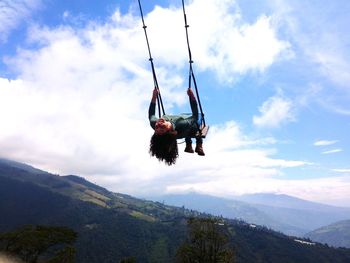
[75, 83]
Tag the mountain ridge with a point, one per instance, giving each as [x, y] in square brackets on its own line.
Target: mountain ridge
[112, 226]
[336, 234]
[289, 220]
[286, 201]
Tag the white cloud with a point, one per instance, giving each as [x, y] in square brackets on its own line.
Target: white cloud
[333, 64]
[77, 126]
[325, 43]
[332, 151]
[342, 170]
[325, 142]
[244, 47]
[275, 111]
[66, 14]
[73, 101]
[323, 46]
[330, 190]
[336, 103]
[231, 163]
[13, 12]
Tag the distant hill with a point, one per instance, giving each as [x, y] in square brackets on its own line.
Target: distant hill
[297, 212]
[290, 215]
[337, 234]
[112, 226]
[286, 201]
[230, 209]
[21, 166]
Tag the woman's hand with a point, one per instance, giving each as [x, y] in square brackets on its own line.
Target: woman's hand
[155, 94]
[190, 94]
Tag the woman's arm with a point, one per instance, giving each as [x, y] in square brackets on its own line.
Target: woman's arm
[152, 108]
[193, 103]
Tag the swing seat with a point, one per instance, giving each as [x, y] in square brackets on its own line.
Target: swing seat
[202, 132]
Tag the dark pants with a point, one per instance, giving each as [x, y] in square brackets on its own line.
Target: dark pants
[198, 139]
[188, 140]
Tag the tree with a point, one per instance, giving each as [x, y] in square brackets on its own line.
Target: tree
[66, 255]
[31, 242]
[207, 242]
[128, 260]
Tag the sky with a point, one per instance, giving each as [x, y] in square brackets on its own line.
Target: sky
[273, 78]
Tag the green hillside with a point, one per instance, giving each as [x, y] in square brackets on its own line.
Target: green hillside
[337, 234]
[112, 226]
[289, 215]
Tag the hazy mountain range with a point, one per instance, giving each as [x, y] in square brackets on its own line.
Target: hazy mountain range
[290, 215]
[112, 226]
[337, 234]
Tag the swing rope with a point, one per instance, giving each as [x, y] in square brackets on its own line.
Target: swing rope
[191, 73]
[191, 77]
[159, 97]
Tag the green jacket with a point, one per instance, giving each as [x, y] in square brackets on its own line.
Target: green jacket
[185, 124]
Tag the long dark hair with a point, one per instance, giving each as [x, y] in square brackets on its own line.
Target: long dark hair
[164, 147]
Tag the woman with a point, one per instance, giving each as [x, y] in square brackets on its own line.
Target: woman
[169, 128]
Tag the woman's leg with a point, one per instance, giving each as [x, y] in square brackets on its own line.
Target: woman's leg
[188, 147]
[199, 146]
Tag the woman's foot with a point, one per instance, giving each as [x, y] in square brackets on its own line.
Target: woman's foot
[199, 149]
[189, 148]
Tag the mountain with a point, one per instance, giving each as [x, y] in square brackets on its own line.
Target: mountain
[286, 201]
[230, 209]
[289, 215]
[21, 166]
[112, 226]
[337, 234]
[297, 212]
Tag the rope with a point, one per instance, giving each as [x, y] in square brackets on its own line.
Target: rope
[159, 97]
[191, 74]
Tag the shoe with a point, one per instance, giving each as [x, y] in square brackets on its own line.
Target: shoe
[199, 149]
[189, 148]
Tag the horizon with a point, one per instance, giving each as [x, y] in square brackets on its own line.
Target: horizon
[75, 85]
[190, 192]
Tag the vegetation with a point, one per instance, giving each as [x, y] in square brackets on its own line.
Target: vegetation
[37, 243]
[124, 226]
[128, 260]
[207, 242]
[337, 234]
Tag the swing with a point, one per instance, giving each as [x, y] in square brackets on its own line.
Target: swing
[202, 128]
